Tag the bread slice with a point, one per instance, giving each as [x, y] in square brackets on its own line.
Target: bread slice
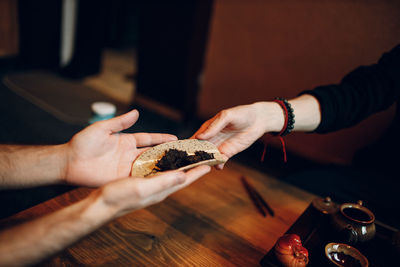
[144, 165]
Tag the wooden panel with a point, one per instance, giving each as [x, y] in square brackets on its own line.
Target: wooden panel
[262, 49]
[8, 28]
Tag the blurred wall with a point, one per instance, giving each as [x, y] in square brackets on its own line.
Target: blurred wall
[262, 49]
[8, 28]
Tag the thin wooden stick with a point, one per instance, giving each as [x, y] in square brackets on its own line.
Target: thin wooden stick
[259, 199]
[253, 197]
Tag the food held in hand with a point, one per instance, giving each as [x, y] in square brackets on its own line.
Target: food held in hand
[176, 155]
[175, 159]
[290, 252]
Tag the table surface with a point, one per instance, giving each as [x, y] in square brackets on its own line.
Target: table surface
[210, 223]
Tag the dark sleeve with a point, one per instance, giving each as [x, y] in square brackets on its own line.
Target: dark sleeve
[364, 91]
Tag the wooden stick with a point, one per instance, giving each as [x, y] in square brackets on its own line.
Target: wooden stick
[253, 197]
[259, 198]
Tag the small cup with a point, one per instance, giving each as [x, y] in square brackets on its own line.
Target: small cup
[102, 111]
[338, 254]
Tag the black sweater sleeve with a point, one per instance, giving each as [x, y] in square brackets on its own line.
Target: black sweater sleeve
[364, 91]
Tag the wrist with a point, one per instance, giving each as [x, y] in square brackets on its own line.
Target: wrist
[272, 116]
[64, 161]
[289, 116]
[97, 211]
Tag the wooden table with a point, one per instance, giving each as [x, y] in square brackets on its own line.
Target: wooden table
[210, 223]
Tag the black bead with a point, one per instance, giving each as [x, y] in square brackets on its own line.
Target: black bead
[289, 113]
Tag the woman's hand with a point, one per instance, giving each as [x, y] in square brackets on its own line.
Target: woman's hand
[235, 129]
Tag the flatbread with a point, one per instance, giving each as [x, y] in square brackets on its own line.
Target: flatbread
[144, 165]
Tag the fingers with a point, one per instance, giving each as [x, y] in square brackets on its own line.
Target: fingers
[220, 166]
[191, 176]
[121, 122]
[228, 150]
[195, 173]
[162, 182]
[174, 180]
[216, 125]
[149, 139]
[202, 128]
[141, 192]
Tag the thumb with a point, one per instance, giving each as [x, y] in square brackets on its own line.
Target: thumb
[163, 181]
[121, 122]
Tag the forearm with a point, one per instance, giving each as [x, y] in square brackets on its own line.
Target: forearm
[27, 166]
[307, 113]
[306, 110]
[34, 241]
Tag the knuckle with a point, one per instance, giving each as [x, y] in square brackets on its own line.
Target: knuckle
[138, 191]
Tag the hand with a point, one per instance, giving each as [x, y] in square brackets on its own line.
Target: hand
[99, 153]
[129, 194]
[31, 242]
[235, 129]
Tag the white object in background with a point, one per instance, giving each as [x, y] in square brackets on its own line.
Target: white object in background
[68, 30]
[102, 111]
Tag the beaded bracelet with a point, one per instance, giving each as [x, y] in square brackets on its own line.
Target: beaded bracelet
[289, 116]
[288, 126]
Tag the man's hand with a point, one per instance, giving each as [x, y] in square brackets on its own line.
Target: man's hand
[129, 194]
[100, 153]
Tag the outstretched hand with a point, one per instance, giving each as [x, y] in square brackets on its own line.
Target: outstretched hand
[100, 153]
[129, 194]
[235, 129]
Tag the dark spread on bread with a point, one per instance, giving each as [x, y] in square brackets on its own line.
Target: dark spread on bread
[174, 159]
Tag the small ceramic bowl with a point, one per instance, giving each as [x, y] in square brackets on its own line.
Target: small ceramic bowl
[337, 253]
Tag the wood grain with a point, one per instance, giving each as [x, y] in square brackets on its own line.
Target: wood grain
[211, 223]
